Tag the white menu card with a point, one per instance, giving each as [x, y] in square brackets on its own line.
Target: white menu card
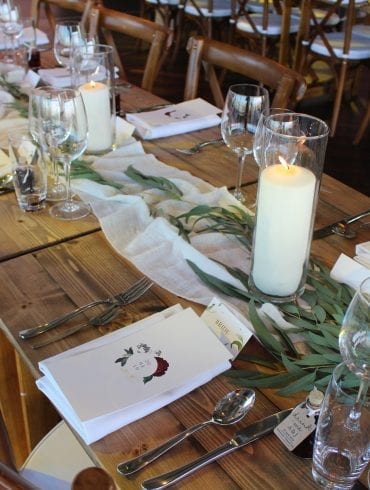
[103, 385]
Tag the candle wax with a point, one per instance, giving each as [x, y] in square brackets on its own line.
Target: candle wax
[285, 205]
[96, 98]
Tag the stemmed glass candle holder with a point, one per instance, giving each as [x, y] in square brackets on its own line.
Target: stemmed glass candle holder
[293, 152]
[243, 106]
[63, 129]
[93, 75]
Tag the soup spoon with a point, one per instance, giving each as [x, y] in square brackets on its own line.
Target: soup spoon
[229, 410]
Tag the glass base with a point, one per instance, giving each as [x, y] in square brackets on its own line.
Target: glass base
[57, 193]
[274, 298]
[238, 194]
[70, 210]
[329, 484]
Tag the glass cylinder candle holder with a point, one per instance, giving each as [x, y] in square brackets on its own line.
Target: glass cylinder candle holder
[292, 159]
[93, 75]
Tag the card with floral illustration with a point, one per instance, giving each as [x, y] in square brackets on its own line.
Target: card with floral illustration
[131, 373]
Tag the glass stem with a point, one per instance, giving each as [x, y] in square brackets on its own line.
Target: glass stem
[67, 173]
[238, 191]
[55, 171]
[355, 413]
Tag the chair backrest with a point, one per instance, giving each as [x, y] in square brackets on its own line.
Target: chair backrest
[287, 85]
[155, 35]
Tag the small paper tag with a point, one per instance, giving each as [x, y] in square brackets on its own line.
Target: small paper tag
[296, 427]
[226, 326]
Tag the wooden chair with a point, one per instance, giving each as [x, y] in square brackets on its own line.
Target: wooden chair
[288, 87]
[57, 460]
[267, 25]
[156, 36]
[341, 50]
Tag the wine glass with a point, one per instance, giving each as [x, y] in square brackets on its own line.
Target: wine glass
[63, 129]
[354, 338]
[57, 190]
[68, 36]
[12, 25]
[259, 134]
[243, 106]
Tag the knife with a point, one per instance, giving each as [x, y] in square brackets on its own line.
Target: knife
[241, 438]
[329, 229]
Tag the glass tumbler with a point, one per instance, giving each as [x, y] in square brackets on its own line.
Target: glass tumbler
[342, 443]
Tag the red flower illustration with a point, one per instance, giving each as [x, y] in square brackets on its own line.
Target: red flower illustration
[162, 366]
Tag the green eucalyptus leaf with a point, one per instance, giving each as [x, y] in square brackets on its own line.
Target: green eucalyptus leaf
[305, 383]
[160, 183]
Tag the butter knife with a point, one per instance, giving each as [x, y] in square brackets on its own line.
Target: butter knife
[241, 438]
[329, 229]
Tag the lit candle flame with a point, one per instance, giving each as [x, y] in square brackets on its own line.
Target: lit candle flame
[92, 84]
[283, 162]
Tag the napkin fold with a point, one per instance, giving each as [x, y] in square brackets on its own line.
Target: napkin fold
[56, 77]
[175, 119]
[349, 271]
[363, 254]
[114, 380]
[28, 36]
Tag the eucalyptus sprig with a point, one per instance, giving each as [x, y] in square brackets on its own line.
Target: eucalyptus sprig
[151, 181]
[13, 89]
[81, 169]
[317, 319]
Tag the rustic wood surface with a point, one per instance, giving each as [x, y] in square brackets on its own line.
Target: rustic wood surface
[48, 267]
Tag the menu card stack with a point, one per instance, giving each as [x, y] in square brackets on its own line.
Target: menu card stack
[112, 381]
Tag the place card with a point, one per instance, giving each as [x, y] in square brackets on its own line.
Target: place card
[104, 386]
[226, 326]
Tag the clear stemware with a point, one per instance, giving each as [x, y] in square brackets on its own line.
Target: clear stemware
[68, 36]
[56, 189]
[63, 129]
[243, 106]
[12, 25]
[354, 340]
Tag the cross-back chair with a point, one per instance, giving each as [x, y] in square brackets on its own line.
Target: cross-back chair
[111, 21]
[288, 87]
[267, 25]
[205, 13]
[339, 49]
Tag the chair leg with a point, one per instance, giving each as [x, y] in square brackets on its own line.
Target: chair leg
[338, 97]
[364, 123]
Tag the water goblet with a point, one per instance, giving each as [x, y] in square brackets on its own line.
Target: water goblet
[12, 25]
[243, 106]
[56, 189]
[68, 35]
[63, 129]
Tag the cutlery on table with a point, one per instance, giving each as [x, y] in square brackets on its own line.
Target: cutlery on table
[148, 108]
[229, 410]
[102, 319]
[340, 227]
[196, 148]
[241, 438]
[121, 299]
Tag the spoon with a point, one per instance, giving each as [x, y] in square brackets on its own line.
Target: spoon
[229, 410]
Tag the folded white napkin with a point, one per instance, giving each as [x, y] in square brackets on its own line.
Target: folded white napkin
[349, 271]
[114, 380]
[363, 254]
[56, 77]
[175, 119]
[28, 36]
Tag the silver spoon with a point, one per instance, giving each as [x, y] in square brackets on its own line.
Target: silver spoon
[196, 148]
[229, 410]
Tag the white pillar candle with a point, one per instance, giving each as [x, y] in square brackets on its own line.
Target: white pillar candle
[286, 195]
[96, 98]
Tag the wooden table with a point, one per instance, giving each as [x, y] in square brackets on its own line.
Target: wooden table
[48, 267]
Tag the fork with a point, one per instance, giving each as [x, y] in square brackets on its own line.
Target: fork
[103, 318]
[120, 299]
[196, 148]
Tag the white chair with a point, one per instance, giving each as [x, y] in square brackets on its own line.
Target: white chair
[265, 20]
[206, 12]
[340, 49]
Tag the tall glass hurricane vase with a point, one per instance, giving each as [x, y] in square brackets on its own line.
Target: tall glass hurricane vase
[63, 126]
[292, 159]
[243, 107]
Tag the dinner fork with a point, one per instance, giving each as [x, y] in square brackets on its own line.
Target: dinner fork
[103, 318]
[120, 299]
[196, 148]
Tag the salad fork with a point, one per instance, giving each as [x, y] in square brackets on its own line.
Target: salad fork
[196, 148]
[121, 299]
